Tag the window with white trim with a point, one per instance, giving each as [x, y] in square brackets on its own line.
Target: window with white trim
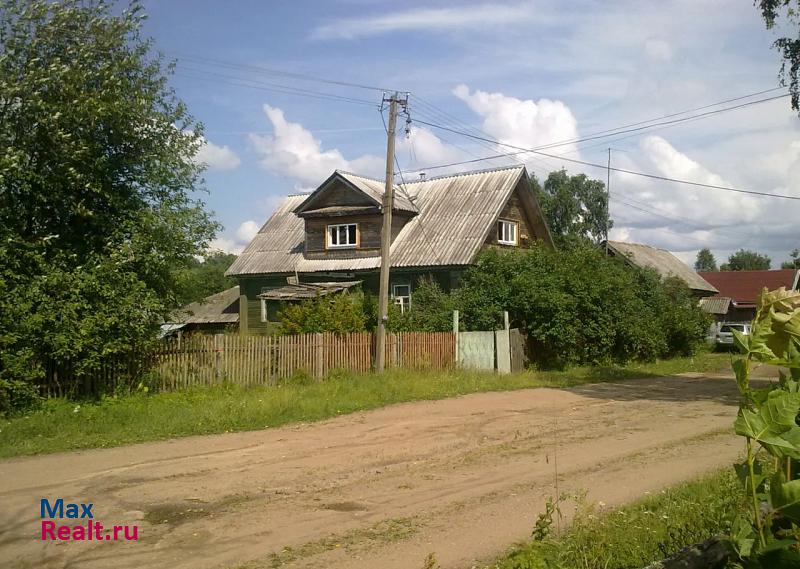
[401, 294]
[507, 232]
[270, 310]
[342, 235]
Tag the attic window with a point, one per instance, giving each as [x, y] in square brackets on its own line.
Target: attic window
[507, 232]
[342, 235]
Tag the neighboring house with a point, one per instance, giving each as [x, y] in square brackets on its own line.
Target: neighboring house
[739, 290]
[664, 262]
[216, 313]
[333, 234]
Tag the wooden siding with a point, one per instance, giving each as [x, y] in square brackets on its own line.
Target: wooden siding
[369, 236]
[340, 195]
[250, 305]
[514, 211]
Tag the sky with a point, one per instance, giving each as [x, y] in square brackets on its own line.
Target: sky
[521, 73]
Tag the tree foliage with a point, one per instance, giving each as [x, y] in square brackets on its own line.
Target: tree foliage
[773, 11]
[203, 277]
[746, 260]
[339, 313]
[96, 187]
[431, 310]
[705, 260]
[575, 207]
[580, 307]
[793, 262]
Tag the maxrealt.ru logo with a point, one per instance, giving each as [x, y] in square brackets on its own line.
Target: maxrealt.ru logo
[88, 530]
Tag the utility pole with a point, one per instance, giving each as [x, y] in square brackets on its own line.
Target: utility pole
[386, 235]
[608, 197]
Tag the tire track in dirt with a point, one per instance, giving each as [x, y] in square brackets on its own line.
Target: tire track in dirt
[462, 477]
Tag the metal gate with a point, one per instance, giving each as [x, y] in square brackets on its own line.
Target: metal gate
[476, 350]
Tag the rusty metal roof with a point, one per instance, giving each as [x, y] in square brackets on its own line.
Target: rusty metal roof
[662, 261]
[745, 286]
[456, 213]
[220, 308]
[306, 290]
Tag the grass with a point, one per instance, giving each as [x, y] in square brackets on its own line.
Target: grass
[637, 534]
[62, 425]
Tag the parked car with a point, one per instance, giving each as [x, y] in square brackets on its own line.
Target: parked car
[724, 338]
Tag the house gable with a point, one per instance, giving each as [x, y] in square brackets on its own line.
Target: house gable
[521, 208]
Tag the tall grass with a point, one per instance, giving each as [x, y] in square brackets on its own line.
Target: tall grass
[640, 533]
[66, 425]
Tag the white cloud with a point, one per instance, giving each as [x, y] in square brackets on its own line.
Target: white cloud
[225, 245]
[240, 239]
[524, 123]
[658, 50]
[424, 148]
[477, 17]
[292, 151]
[217, 157]
[247, 231]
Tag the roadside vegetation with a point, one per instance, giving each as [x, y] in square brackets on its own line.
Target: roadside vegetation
[636, 534]
[62, 424]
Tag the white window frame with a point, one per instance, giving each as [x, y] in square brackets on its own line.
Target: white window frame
[403, 301]
[507, 232]
[264, 310]
[337, 227]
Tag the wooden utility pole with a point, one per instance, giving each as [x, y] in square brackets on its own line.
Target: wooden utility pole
[386, 236]
[608, 197]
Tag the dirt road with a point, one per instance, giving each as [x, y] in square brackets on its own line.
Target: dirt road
[463, 478]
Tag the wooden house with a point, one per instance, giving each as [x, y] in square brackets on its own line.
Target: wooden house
[333, 235]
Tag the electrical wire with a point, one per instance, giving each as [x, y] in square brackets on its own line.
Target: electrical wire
[271, 71]
[522, 150]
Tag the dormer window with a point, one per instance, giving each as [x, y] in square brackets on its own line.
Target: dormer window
[507, 232]
[343, 236]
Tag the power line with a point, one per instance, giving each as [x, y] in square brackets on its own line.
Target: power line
[272, 87]
[272, 71]
[627, 128]
[663, 123]
[622, 130]
[593, 165]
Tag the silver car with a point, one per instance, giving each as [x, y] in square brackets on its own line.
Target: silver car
[724, 338]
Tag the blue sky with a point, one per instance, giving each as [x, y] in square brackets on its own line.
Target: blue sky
[526, 73]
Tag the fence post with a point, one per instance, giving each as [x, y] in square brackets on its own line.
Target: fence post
[217, 356]
[318, 355]
[502, 345]
[455, 334]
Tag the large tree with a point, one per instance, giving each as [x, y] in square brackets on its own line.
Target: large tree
[746, 260]
[575, 207]
[97, 185]
[793, 262]
[774, 12]
[204, 277]
[705, 260]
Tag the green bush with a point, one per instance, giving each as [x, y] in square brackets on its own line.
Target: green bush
[340, 313]
[580, 307]
[431, 310]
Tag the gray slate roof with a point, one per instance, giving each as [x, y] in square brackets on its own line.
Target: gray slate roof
[220, 308]
[376, 188]
[715, 304]
[455, 214]
[662, 261]
[306, 290]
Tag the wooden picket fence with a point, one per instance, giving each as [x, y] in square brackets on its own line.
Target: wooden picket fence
[263, 360]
